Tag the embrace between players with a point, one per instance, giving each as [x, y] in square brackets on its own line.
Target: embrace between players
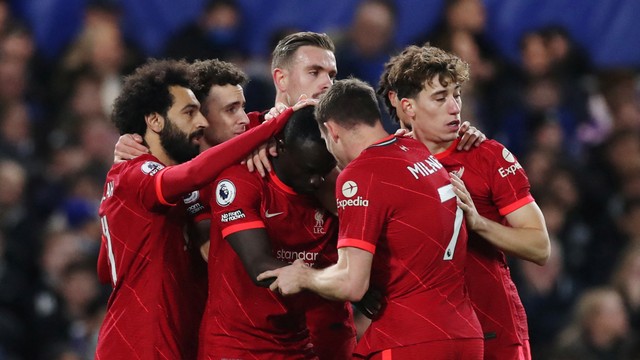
[420, 252]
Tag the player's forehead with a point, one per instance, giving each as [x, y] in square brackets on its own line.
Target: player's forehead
[223, 95]
[183, 97]
[440, 83]
[313, 57]
[313, 157]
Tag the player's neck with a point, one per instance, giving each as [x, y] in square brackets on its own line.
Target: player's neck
[282, 97]
[156, 149]
[437, 147]
[363, 136]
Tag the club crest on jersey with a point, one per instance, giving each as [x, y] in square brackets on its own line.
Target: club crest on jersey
[459, 172]
[318, 228]
[225, 192]
[192, 197]
[151, 167]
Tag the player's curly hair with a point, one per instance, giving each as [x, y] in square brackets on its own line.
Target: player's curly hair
[384, 87]
[146, 91]
[409, 70]
[207, 73]
[283, 52]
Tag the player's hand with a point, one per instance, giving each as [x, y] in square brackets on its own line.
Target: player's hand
[465, 202]
[288, 279]
[303, 101]
[370, 304]
[404, 132]
[259, 161]
[129, 146]
[275, 111]
[469, 136]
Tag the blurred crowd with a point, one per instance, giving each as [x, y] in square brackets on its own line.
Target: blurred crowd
[574, 127]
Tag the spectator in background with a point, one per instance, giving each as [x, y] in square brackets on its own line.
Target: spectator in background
[13, 311]
[369, 41]
[48, 320]
[462, 30]
[215, 34]
[599, 329]
[547, 292]
[536, 96]
[367, 44]
[568, 59]
[626, 280]
[21, 236]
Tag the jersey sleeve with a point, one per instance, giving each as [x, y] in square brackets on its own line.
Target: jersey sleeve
[236, 201]
[509, 183]
[360, 211]
[197, 204]
[255, 118]
[175, 181]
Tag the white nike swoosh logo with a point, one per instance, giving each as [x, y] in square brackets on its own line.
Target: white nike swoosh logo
[267, 215]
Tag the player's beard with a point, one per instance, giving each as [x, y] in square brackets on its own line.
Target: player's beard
[178, 145]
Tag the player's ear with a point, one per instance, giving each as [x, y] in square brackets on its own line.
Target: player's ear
[280, 145]
[393, 98]
[332, 130]
[155, 122]
[407, 106]
[280, 79]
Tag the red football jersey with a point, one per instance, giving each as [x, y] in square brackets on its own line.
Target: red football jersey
[243, 320]
[155, 307]
[158, 293]
[498, 185]
[396, 201]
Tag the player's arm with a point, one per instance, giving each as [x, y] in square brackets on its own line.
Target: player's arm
[202, 229]
[129, 146]
[348, 279]
[254, 250]
[174, 181]
[526, 238]
[259, 160]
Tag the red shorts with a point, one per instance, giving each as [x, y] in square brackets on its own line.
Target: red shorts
[459, 349]
[517, 352]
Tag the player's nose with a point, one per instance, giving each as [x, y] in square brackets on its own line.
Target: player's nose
[316, 181]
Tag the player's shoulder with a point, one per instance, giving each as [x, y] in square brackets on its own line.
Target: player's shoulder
[138, 168]
[491, 146]
[491, 150]
[238, 171]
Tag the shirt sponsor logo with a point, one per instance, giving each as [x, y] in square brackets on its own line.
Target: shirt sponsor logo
[232, 216]
[289, 256]
[425, 168]
[225, 193]
[151, 167]
[511, 169]
[195, 208]
[349, 188]
[359, 201]
[191, 198]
